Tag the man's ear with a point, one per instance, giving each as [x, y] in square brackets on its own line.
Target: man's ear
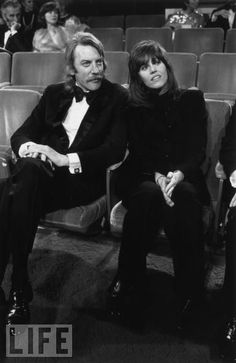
[71, 70]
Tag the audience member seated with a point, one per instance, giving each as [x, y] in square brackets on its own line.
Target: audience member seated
[52, 36]
[13, 36]
[224, 16]
[63, 149]
[29, 16]
[74, 25]
[228, 160]
[64, 13]
[161, 183]
[188, 17]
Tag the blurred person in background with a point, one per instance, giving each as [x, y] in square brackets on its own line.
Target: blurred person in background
[224, 16]
[29, 15]
[188, 17]
[13, 36]
[74, 25]
[51, 37]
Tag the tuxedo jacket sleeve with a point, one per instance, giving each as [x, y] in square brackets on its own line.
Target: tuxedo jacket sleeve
[20, 42]
[228, 146]
[220, 22]
[101, 138]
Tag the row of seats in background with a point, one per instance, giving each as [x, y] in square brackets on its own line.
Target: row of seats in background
[196, 41]
[124, 22]
[214, 73]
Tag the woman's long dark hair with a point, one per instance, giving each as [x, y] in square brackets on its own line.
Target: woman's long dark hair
[140, 55]
[45, 8]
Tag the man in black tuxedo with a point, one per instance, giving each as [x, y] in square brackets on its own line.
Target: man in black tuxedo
[224, 16]
[63, 149]
[13, 36]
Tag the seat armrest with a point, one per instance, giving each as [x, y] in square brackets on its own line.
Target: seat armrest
[109, 172]
[221, 176]
[219, 171]
[4, 84]
[114, 167]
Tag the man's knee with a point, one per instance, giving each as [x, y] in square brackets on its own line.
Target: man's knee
[30, 167]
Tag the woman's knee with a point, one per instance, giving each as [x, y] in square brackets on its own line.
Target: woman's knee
[147, 193]
[185, 192]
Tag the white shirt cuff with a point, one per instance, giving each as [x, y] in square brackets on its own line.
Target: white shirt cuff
[232, 179]
[74, 163]
[24, 147]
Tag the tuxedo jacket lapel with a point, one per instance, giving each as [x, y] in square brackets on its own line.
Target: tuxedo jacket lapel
[59, 114]
[93, 114]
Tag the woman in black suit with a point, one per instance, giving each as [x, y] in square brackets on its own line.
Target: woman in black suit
[161, 183]
[228, 160]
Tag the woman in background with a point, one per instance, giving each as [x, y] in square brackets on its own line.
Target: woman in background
[52, 36]
[74, 25]
[161, 183]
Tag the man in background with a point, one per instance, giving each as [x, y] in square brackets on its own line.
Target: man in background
[224, 16]
[13, 36]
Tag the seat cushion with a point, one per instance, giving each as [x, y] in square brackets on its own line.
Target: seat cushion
[78, 218]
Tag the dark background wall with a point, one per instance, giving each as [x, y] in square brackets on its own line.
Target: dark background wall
[113, 7]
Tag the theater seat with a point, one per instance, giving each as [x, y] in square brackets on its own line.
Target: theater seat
[216, 75]
[37, 70]
[79, 218]
[117, 67]
[135, 35]
[145, 20]
[185, 68]
[111, 38]
[112, 21]
[198, 41]
[15, 107]
[5, 69]
[230, 41]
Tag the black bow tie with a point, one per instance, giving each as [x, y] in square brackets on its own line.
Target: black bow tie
[80, 94]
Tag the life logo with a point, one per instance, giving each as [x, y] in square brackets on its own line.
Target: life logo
[39, 341]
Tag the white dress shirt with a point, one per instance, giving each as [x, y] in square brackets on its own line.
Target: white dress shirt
[72, 122]
[7, 35]
[232, 179]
